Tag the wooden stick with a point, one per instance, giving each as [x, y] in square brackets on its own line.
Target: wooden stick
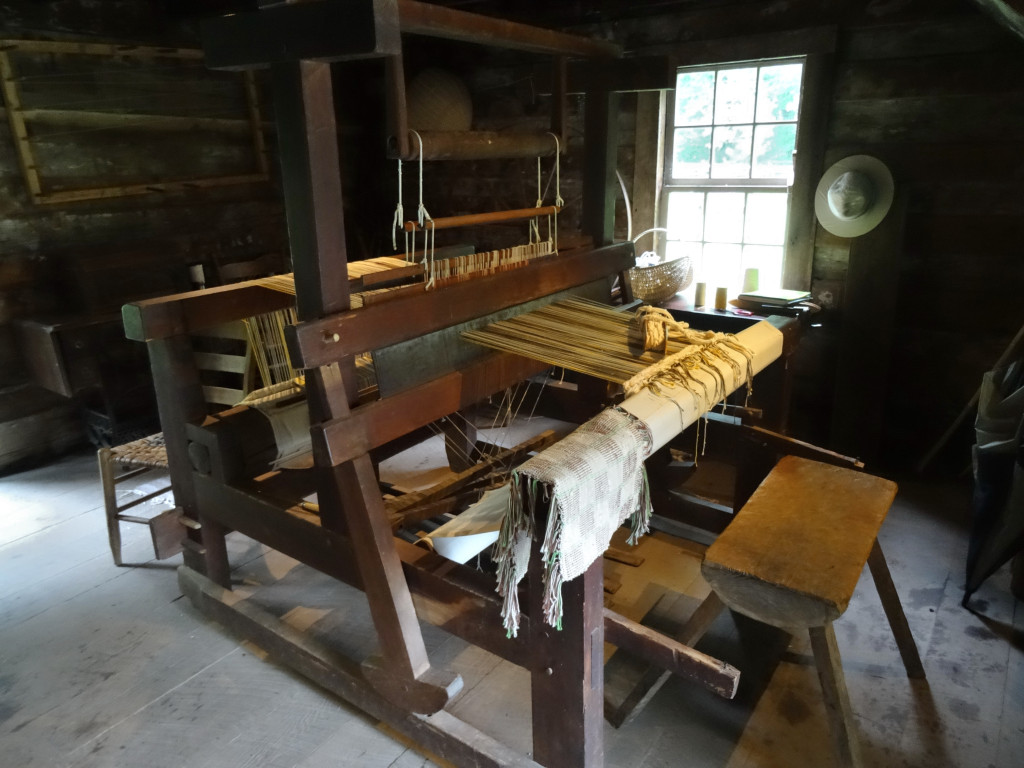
[453, 483]
[670, 654]
[472, 219]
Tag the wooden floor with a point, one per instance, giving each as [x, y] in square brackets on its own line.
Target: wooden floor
[105, 666]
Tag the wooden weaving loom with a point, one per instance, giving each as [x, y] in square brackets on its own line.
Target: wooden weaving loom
[219, 464]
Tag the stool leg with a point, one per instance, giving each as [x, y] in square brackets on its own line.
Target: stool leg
[894, 612]
[110, 502]
[837, 699]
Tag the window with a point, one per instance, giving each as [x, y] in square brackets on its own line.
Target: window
[728, 174]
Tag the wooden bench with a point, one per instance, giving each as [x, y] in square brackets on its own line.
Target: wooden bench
[792, 558]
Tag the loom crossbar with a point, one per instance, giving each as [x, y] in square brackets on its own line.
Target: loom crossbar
[473, 219]
[326, 340]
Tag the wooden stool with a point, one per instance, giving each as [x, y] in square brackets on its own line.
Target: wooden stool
[138, 457]
[792, 558]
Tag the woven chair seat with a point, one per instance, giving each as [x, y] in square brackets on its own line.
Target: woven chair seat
[147, 451]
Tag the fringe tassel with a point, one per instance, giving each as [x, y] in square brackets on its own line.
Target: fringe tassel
[681, 368]
[553, 575]
[516, 525]
[640, 522]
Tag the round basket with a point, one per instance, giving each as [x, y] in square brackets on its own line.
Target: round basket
[659, 282]
[662, 281]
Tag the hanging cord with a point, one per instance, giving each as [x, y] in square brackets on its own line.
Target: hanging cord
[559, 202]
[534, 222]
[399, 218]
[422, 218]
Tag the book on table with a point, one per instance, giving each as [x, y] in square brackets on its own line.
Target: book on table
[779, 297]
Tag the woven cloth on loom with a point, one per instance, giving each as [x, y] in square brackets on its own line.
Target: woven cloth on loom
[592, 481]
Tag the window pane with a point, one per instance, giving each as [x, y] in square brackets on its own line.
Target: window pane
[767, 260]
[773, 151]
[675, 249]
[734, 96]
[721, 267]
[692, 154]
[685, 216]
[695, 97]
[723, 220]
[778, 93]
[766, 218]
[731, 153]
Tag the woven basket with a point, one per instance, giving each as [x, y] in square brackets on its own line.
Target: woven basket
[662, 281]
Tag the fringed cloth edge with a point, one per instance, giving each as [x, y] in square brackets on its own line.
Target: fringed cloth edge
[591, 482]
[607, 455]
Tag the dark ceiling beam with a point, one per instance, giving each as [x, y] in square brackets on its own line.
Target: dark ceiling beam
[437, 21]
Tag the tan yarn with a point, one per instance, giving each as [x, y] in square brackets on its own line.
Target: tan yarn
[652, 325]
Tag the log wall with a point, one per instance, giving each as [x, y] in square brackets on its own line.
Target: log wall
[111, 124]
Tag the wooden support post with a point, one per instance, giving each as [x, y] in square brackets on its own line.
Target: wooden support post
[459, 441]
[647, 165]
[894, 612]
[259, 143]
[180, 402]
[559, 105]
[568, 673]
[307, 134]
[308, 146]
[842, 724]
[398, 115]
[812, 137]
[110, 503]
[600, 149]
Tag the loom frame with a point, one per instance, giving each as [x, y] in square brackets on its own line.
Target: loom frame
[352, 539]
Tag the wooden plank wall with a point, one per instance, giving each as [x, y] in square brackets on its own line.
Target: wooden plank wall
[942, 102]
[86, 258]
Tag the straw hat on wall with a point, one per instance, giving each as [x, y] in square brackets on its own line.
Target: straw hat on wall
[854, 195]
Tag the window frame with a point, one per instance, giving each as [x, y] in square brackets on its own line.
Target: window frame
[816, 45]
[774, 185]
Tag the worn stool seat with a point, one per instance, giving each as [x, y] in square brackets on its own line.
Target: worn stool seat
[792, 558]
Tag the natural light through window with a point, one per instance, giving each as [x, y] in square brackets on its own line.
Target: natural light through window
[728, 173]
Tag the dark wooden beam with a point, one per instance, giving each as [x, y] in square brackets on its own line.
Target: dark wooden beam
[289, 32]
[437, 21]
[323, 341]
[377, 423]
[185, 313]
[600, 150]
[671, 655]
